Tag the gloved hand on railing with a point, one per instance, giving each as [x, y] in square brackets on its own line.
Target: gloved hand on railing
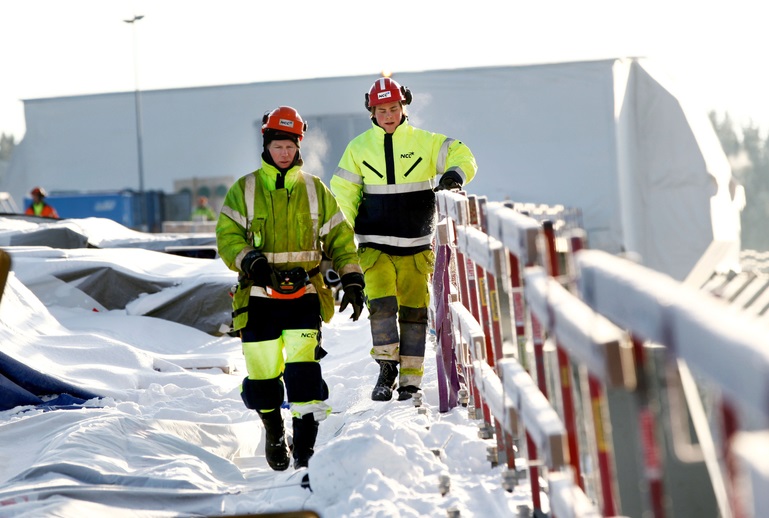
[255, 266]
[352, 284]
[448, 182]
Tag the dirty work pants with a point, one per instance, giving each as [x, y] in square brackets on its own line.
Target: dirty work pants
[280, 344]
[397, 294]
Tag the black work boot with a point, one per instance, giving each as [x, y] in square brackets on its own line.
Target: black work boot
[407, 392]
[275, 447]
[305, 433]
[388, 373]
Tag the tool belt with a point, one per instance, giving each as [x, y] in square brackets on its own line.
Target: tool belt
[298, 282]
[287, 284]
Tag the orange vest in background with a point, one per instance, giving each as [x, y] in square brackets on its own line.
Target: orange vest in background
[42, 209]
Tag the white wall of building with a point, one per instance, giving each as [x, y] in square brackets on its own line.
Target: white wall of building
[611, 137]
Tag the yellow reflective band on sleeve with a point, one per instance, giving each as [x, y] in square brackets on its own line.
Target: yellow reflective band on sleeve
[443, 155]
[460, 172]
[241, 255]
[234, 216]
[312, 200]
[264, 360]
[300, 345]
[335, 220]
[347, 175]
[249, 193]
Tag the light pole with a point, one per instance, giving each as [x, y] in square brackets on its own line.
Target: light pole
[138, 111]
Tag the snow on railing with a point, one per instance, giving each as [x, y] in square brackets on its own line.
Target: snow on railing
[727, 348]
[590, 338]
[545, 335]
[503, 392]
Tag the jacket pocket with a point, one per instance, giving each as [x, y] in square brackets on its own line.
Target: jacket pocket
[368, 257]
[425, 262]
[327, 305]
[257, 231]
[240, 306]
[306, 231]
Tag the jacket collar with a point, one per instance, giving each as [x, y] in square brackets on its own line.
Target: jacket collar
[404, 122]
[272, 172]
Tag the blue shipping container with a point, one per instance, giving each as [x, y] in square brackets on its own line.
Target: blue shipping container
[125, 207]
[117, 206]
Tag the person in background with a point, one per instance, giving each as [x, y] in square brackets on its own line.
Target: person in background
[202, 211]
[385, 185]
[39, 207]
[274, 228]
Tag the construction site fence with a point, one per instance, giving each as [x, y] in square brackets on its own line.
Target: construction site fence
[608, 388]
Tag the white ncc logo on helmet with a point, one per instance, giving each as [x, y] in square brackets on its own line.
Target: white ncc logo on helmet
[384, 95]
[286, 123]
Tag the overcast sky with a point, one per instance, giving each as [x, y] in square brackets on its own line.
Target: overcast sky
[52, 48]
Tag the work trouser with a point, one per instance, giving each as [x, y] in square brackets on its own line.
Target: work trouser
[281, 344]
[398, 297]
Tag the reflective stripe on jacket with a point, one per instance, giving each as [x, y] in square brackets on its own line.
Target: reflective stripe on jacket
[292, 227]
[384, 183]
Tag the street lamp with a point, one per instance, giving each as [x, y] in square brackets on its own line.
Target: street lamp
[138, 110]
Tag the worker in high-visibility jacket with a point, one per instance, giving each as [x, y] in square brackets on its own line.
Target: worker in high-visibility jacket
[273, 228]
[203, 211]
[39, 207]
[385, 185]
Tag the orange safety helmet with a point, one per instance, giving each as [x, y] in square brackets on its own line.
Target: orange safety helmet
[38, 191]
[285, 119]
[386, 90]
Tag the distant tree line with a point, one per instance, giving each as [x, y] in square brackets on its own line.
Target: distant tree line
[747, 148]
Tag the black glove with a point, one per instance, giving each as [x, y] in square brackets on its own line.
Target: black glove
[449, 181]
[352, 284]
[255, 266]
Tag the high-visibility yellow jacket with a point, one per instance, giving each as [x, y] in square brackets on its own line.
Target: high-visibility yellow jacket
[292, 227]
[204, 213]
[384, 184]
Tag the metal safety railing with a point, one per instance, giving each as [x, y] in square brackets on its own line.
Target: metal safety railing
[576, 362]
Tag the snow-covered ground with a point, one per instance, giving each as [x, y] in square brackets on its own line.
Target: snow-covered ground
[170, 435]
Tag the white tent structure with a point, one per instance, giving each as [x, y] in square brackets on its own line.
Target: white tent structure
[612, 138]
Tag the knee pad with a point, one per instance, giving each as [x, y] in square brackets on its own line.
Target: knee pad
[384, 321]
[262, 394]
[385, 307]
[412, 315]
[304, 382]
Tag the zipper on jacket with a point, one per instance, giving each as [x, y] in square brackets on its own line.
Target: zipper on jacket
[412, 167]
[389, 159]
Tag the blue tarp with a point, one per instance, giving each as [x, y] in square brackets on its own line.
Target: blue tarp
[21, 385]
